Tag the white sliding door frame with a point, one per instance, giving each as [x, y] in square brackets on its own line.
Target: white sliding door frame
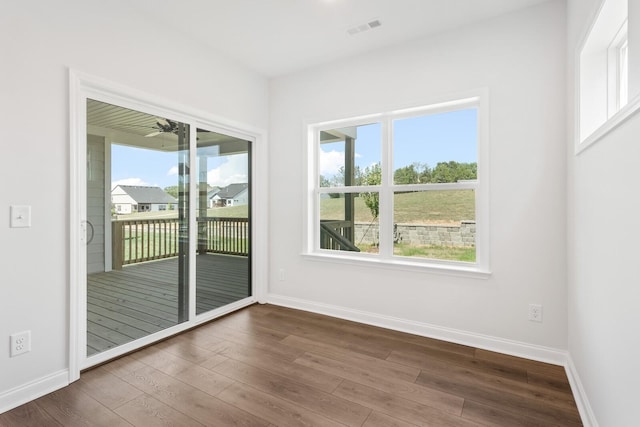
[84, 87]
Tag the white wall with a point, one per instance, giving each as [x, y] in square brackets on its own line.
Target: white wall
[604, 292]
[520, 58]
[39, 40]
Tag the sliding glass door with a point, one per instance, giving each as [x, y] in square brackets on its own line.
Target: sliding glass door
[224, 195]
[148, 225]
[138, 213]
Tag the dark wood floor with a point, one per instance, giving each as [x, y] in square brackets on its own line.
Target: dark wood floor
[272, 366]
[141, 299]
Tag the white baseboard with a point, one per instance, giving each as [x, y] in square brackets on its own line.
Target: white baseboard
[27, 392]
[20, 395]
[579, 395]
[485, 342]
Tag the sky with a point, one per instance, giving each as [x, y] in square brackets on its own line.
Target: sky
[136, 166]
[425, 139]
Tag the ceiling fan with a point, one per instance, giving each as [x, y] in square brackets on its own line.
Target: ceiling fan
[164, 126]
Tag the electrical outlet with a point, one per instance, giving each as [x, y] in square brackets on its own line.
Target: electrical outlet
[535, 312]
[20, 343]
[281, 274]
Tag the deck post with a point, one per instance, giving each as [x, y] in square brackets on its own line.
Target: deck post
[117, 245]
[349, 180]
[202, 205]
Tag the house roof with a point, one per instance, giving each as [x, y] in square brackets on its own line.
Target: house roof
[231, 190]
[143, 194]
[213, 192]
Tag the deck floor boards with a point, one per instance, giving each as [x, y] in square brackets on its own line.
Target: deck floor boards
[142, 299]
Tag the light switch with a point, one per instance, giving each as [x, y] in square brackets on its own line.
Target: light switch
[20, 216]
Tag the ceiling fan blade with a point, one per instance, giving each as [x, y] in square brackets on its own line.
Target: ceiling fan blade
[153, 134]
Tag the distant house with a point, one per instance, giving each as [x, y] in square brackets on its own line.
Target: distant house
[210, 195]
[134, 198]
[231, 195]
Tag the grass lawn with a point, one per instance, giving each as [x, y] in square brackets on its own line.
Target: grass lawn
[449, 253]
[226, 212]
[241, 211]
[425, 207]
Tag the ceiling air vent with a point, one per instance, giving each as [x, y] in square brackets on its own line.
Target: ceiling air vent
[375, 23]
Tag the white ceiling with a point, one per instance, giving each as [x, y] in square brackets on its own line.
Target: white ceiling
[276, 37]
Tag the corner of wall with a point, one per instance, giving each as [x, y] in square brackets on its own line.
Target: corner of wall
[580, 395]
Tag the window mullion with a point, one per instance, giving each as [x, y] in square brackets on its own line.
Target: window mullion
[386, 193]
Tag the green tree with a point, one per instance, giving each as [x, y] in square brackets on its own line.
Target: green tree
[443, 172]
[415, 173]
[172, 190]
[468, 171]
[425, 174]
[357, 175]
[372, 175]
[337, 180]
[407, 174]
[454, 171]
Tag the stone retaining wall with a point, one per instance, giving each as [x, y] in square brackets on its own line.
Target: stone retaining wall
[423, 234]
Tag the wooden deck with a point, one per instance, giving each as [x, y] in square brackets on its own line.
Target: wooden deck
[141, 299]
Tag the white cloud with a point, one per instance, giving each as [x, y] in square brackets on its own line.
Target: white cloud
[130, 181]
[330, 162]
[234, 170]
[173, 171]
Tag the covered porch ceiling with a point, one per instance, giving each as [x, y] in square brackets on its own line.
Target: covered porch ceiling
[141, 130]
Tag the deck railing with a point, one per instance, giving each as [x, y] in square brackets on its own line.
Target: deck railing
[225, 235]
[336, 235]
[143, 240]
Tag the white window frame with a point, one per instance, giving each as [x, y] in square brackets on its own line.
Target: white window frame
[385, 259]
[603, 101]
[623, 72]
[618, 71]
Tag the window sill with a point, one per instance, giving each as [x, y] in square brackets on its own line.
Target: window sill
[448, 269]
[607, 127]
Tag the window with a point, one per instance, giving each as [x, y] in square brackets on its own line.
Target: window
[623, 72]
[402, 187]
[604, 99]
[618, 71]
